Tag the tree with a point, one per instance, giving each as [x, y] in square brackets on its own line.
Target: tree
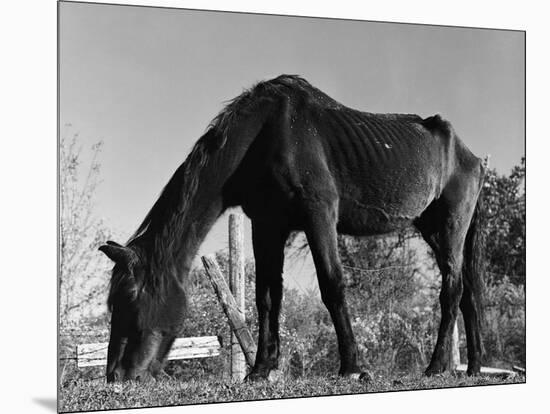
[82, 278]
[504, 224]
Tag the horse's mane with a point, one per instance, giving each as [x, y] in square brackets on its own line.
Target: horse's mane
[179, 190]
[183, 184]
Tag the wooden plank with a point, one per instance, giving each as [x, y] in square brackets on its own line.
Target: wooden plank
[488, 370]
[196, 347]
[519, 369]
[89, 355]
[236, 318]
[236, 285]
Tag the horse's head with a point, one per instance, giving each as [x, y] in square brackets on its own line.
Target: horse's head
[146, 313]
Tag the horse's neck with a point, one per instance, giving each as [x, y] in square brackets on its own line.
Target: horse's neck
[198, 230]
[178, 254]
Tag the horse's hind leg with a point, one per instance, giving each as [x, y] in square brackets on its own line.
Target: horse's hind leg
[471, 313]
[471, 302]
[444, 226]
[321, 233]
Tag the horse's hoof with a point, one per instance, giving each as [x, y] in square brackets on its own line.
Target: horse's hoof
[359, 376]
[255, 376]
[435, 370]
[365, 377]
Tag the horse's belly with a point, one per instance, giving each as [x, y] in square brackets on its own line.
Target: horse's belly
[369, 221]
[362, 219]
[381, 201]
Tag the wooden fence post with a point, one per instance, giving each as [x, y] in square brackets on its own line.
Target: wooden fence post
[236, 318]
[237, 287]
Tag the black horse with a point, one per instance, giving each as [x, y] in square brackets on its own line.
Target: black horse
[295, 159]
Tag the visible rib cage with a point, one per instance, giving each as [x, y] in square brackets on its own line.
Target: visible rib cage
[368, 135]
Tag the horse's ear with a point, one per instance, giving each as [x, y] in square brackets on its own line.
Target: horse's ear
[113, 243]
[119, 254]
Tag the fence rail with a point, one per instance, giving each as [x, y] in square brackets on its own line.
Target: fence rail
[89, 355]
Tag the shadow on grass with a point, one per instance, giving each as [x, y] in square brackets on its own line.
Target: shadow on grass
[49, 403]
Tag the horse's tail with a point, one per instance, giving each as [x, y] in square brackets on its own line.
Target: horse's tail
[473, 267]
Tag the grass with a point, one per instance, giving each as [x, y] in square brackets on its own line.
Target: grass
[96, 394]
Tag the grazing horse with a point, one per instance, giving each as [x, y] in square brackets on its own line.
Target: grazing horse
[295, 159]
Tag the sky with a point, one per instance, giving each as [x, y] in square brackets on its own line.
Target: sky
[148, 81]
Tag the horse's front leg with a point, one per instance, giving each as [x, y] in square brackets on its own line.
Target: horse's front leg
[322, 238]
[268, 239]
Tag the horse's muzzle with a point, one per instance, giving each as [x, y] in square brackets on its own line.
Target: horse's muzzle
[120, 375]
